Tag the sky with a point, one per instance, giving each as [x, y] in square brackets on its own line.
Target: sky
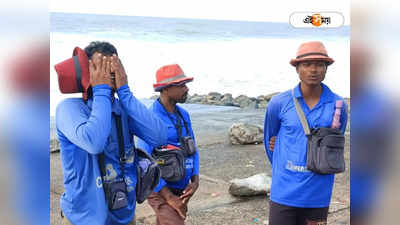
[245, 10]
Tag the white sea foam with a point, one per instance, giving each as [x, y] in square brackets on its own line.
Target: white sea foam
[250, 66]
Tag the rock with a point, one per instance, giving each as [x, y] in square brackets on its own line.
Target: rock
[268, 97]
[261, 98]
[195, 99]
[54, 145]
[214, 96]
[259, 184]
[241, 98]
[251, 105]
[236, 105]
[245, 102]
[262, 104]
[154, 97]
[227, 100]
[210, 98]
[210, 102]
[243, 133]
[242, 101]
[347, 100]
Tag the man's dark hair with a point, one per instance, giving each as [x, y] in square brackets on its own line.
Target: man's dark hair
[100, 46]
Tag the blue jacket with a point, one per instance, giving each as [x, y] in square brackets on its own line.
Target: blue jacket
[292, 184]
[192, 162]
[87, 129]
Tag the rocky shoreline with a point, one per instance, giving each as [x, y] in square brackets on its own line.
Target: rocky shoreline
[217, 99]
[242, 101]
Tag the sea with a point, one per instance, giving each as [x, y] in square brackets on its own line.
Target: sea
[237, 57]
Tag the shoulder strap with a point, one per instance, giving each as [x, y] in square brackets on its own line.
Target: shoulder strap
[178, 125]
[121, 144]
[100, 157]
[300, 113]
[184, 121]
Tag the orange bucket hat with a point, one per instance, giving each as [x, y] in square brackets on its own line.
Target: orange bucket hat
[313, 50]
[170, 75]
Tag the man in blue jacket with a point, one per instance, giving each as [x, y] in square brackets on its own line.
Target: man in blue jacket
[86, 128]
[299, 196]
[169, 199]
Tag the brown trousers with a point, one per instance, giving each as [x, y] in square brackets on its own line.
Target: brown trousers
[166, 215]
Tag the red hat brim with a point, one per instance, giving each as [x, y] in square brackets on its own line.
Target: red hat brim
[159, 86]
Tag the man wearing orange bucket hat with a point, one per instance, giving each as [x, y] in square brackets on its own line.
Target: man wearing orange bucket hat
[95, 132]
[170, 198]
[299, 195]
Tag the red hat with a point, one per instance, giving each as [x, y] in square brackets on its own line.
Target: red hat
[73, 73]
[313, 50]
[170, 75]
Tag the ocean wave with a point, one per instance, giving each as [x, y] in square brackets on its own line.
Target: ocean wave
[221, 60]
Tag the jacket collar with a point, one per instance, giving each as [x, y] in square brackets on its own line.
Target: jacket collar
[326, 96]
[160, 108]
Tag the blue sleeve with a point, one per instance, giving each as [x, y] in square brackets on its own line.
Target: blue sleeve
[89, 132]
[161, 184]
[343, 118]
[143, 145]
[143, 123]
[196, 157]
[149, 149]
[271, 125]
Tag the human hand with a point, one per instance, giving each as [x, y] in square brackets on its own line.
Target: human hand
[100, 70]
[118, 69]
[272, 143]
[189, 191]
[176, 203]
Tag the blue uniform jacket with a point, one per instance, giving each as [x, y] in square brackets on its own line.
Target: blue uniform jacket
[192, 162]
[87, 129]
[292, 184]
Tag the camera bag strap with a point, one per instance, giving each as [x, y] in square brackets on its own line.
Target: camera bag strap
[301, 115]
[121, 148]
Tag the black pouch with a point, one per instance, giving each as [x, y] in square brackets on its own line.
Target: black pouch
[116, 194]
[325, 146]
[148, 175]
[187, 142]
[325, 151]
[171, 163]
[188, 145]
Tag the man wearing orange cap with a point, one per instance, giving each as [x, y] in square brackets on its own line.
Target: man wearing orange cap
[298, 195]
[170, 199]
[96, 137]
